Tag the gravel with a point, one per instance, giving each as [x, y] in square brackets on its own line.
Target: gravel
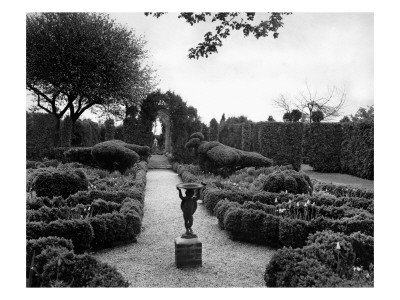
[151, 261]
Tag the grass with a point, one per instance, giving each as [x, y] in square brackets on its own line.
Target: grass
[338, 178]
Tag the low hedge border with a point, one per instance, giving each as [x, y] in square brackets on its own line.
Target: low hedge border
[243, 222]
[317, 264]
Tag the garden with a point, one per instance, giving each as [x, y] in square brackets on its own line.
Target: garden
[102, 208]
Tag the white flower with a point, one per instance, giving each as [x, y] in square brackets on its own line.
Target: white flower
[298, 204]
[337, 246]
[276, 200]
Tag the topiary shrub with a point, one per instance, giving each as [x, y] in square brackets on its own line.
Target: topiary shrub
[287, 181]
[59, 183]
[221, 159]
[233, 222]
[198, 135]
[81, 155]
[111, 156]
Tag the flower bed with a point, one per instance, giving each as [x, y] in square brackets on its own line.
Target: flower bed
[109, 213]
[298, 221]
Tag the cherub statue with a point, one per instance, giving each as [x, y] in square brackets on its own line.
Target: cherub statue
[188, 206]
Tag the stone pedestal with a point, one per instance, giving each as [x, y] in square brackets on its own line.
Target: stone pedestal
[188, 252]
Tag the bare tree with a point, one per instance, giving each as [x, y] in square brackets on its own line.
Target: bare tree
[330, 103]
[283, 103]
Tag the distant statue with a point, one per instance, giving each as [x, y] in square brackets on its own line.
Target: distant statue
[188, 206]
[155, 143]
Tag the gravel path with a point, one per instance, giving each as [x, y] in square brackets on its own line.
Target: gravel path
[151, 261]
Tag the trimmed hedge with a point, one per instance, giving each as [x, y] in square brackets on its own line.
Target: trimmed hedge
[339, 190]
[357, 156]
[70, 270]
[59, 183]
[282, 142]
[317, 264]
[79, 231]
[325, 146]
[81, 155]
[111, 156]
[289, 180]
[286, 231]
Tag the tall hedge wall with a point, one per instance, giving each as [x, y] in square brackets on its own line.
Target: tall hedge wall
[357, 157]
[231, 135]
[324, 146]
[282, 142]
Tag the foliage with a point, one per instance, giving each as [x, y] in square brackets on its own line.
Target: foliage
[103, 64]
[81, 155]
[357, 149]
[214, 127]
[317, 116]
[282, 142]
[59, 183]
[81, 271]
[271, 119]
[109, 129]
[324, 146]
[111, 156]
[39, 135]
[339, 190]
[66, 132]
[288, 181]
[364, 114]
[229, 21]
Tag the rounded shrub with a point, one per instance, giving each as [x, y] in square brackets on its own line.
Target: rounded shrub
[80, 271]
[289, 181]
[197, 135]
[233, 221]
[59, 183]
[81, 155]
[113, 156]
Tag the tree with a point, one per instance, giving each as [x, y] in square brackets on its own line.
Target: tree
[364, 114]
[329, 103]
[287, 117]
[213, 135]
[345, 119]
[271, 119]
[222, 119]
[295, 115]
[76, 61]
[228, 21]
[317, 116]
[109, 126]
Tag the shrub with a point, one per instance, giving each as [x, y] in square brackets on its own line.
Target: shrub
[198, 135]
[60, 183]
[363, 246]
[270, 230]
[47, 214]
[38, 245]
[282, 142]
[112, 156]
[344, 190]
[79, 231]
[193, 143]
[30, 164]
[289, 181]
[325, 146]
[212, 196]
[357, 156]
[232, 222]
[292, 232]
[81, 155]
[81, 271]
[99, 206]
[289, 268]
[252, 221]
[322, 246]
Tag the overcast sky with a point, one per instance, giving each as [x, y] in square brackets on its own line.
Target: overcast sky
[324, 49]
